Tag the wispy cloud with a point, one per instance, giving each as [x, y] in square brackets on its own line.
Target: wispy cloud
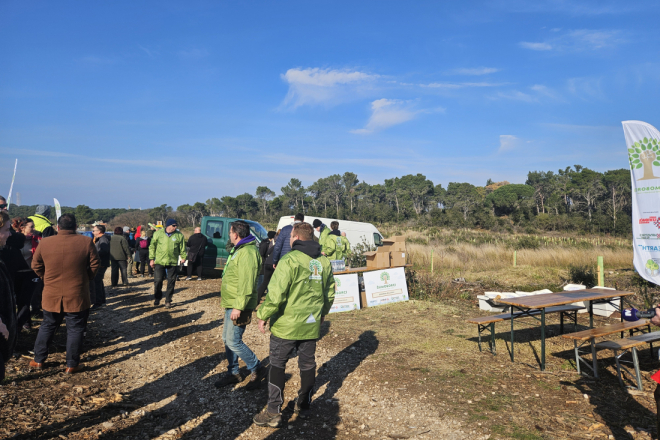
[577, 40]
[444, 85]
[515, 95]
[193, 53]
[386, 113]
[314, 86]
[150, 52]
[572, 7]
[535, 93]
[508, 142]
[98, 60]
[586, 88]
[474, 71]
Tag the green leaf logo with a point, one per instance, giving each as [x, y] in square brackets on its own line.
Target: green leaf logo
[644, 154]
[385, 277]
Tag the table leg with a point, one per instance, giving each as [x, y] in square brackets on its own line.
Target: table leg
[493, 348]
[591, 314]
[511, 334]
[638, 376]
[577, 355]
[543, 339]
[594, 358]
[621, 311]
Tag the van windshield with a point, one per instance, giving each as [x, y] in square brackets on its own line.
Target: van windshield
[257, 230]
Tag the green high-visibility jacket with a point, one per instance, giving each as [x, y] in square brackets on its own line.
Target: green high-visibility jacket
[300, 292]
[328, 244]
[40, 222]
[339, 247]
[345, 246]
[239, 278]
[166, 250]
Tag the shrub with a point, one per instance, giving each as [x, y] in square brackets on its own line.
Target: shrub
[582, 275]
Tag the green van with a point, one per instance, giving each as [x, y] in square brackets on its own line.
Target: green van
[216, 230]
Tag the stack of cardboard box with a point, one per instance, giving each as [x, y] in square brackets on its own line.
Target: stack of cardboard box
[391, 254]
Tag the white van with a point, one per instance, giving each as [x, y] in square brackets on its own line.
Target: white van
[356, 232]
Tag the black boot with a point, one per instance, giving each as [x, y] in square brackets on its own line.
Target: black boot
[307, 381]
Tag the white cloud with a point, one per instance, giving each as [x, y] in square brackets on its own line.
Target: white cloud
[474, 71]
[461, 85]
[508, 142]
[315, 85]
[515, 95]
[535, 46]
[386, 113]
[193, 53]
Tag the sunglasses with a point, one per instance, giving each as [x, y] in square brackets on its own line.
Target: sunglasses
[3, 205]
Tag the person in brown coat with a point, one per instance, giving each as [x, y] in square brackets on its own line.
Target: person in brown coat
[65, 262]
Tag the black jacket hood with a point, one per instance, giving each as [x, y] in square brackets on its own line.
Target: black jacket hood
[310, 248]
[336, 232]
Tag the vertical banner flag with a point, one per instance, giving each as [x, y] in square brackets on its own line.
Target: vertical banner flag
[58, 208]
[11, 187]
[347, 293]
[643, 143]
[385, 286]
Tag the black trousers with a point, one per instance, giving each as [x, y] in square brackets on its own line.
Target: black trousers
[36, 297]
[144, 263]
[197, 265]
[75, 326]
[268, 273]
[159, 275]
[96, 289]
[25, 287]
[116, 266]
[280, 350]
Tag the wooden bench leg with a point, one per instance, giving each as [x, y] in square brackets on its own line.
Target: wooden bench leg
[638, 375]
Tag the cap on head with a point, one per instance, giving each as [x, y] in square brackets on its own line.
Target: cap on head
[43, 210]
[317, 223]
[271, 234]
[126, 229]
[170, 222]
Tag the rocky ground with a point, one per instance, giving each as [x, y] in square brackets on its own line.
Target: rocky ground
[149, 373]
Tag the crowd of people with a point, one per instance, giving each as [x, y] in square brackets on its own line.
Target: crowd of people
[57, 274]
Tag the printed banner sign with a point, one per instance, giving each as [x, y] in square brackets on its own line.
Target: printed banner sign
[58, 209]
[643, 143]
[385, 286]
[347, 293]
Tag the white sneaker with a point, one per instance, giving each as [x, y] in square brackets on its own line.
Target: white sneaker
[188, 279]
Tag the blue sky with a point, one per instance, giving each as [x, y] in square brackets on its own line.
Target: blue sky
[112, 104]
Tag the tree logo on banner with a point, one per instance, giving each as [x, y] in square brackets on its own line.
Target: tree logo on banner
[644, 153]
[337, 283]
[385, 277]
[316, 269]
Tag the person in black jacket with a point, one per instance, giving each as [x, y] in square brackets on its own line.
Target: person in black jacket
[96, 288]
[7, 300]
[266, 250]
[282, 246]
[142, 246]
[197, 245]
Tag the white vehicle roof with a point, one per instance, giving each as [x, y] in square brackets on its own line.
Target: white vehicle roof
[356, 232]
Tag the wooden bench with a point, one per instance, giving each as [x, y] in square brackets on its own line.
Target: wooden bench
[488, 322]
[588, 336]
[625, 344]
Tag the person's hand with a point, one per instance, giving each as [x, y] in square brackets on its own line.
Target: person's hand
[262, 326]
[274, 266]
[151, 263]
[323, 253]
[656, 319]
[3, 330]
[235, 314]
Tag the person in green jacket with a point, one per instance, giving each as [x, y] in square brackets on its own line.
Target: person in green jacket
[300, 295]
[40, 218]
[328, 244]
[238, 298]
[167, 245]
[335, 235]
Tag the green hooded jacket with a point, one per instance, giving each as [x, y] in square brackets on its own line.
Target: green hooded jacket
[300, 292]
[339, 247]
[345, 246]
[239, 278]
[328, 243]
[166, 250]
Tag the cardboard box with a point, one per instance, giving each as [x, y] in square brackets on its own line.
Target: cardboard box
[394, 244]
[397, 259]
[377, 260]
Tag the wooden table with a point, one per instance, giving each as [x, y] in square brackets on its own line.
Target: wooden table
[532, 304]
[364, 269]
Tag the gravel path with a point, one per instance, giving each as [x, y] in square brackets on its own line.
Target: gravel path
[149, 373]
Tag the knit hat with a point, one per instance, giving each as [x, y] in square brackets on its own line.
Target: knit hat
[317, 223]
[126, 229]
[271, 234]
[42, 210]
[170, 222]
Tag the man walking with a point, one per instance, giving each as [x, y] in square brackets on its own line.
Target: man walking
[167, 245]
[300, 295]
[102, 244]
[66, 262]
[239, 298]
[196, 248]
[282, 246]
[328, 244]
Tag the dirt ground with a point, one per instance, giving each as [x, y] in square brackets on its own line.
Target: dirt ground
[407, 370]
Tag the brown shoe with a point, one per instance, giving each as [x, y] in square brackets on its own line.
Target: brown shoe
[36, 365]
[71, 370]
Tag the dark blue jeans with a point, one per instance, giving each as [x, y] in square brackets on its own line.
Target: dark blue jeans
[75, 326]
[232, 335]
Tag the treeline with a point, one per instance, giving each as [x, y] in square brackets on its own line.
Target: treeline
[574, 199]
[84, 214]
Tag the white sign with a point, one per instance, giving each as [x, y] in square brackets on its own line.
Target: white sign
[347, 293]
[643, 144]
[385, 286]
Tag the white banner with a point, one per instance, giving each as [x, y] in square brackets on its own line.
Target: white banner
[58, 209]
[643, 143]
[347, 293]
[11, 187]
[385, 286]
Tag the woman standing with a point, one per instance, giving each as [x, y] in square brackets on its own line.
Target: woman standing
[25, 285]
[142, 247]
[119, 255]
[7, 304]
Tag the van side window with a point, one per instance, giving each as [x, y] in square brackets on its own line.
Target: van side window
[377, 239]
[214, 229]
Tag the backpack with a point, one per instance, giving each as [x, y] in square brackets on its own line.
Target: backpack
[144, 244]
